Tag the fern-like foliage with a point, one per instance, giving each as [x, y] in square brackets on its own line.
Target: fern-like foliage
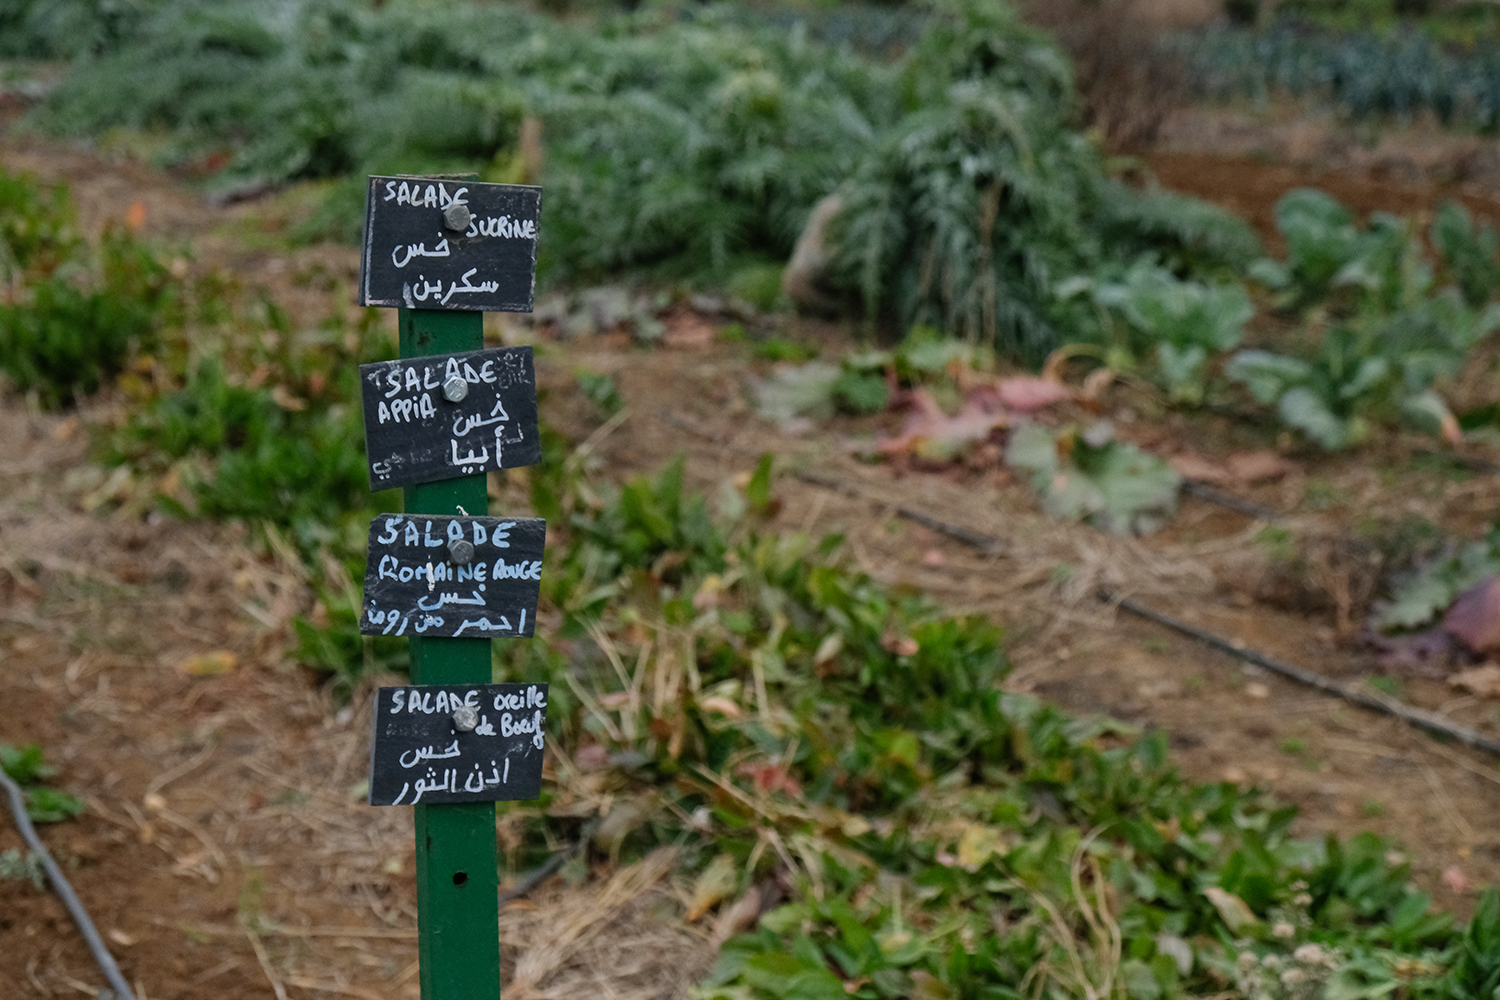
[685, 142]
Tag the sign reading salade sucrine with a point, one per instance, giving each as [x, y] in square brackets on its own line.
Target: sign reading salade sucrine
[437, 243]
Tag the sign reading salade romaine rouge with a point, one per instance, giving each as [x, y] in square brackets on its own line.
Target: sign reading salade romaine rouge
[416, 432]
[457, 743]
[459, 577]
[434, 243]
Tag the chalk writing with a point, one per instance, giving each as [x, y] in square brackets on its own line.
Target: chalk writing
[414, 585]
[484, 262]
[415, 434]
[420, 753]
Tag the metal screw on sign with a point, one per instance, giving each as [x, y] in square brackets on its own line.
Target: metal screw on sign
[455, 388]
[465, 718]
[461, 550]
[456, 217]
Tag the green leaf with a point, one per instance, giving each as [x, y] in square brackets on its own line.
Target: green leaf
[758, 490]
[797, 391]
[47, 805]
[25, 765]
[1267, 375]
[860, 394]
[1305, 410]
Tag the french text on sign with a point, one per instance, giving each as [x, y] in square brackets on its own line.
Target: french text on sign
[414, 433]
[414, 257]
[456, 577]
[422, 754]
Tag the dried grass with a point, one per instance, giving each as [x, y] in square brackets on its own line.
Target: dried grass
[620, 939]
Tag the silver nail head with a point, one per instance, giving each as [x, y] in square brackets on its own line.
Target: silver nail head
[456, 217]
[465, 718]
[461, 550]
[455, 388]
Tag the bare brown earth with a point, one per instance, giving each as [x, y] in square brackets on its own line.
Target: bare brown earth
[225, 851]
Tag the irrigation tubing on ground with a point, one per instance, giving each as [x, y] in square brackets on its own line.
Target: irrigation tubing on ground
[65, 891]
[1422, 719]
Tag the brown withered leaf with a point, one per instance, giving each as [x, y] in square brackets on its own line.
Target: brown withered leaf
[1483, 681]
[929, 433]
[717, 882]
[739, 917]
[1026, 393]
[1474, 617]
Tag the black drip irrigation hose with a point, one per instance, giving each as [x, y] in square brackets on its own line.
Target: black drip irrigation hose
[65, 892]
[1420, 718]
[1431, 722]
[1203, 491]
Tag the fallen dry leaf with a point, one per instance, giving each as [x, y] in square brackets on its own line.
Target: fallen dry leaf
[1191, 465]
[739, 917]
[722, 705]
[901, 645]
[1244, 468]
[1234, 911]
[689, 331]
[220, 661]
[931, 434]
[1483, 681]
[1249, 467]
[1026, 393]
[769, 777]
[717, 881]
[1474, 617]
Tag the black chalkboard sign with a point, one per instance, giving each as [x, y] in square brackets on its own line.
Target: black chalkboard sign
[433, 243]
[457, 743]
[460, 577]
[442, 416]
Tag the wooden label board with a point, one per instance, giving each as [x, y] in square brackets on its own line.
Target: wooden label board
[421, 752]
[415, 434]
[418, 583]
[414, 257]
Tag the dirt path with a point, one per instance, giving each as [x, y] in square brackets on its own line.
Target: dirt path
[221, 805]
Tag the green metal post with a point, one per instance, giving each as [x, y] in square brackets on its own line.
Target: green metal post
[458, 909]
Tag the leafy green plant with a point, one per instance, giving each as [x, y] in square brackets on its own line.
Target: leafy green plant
[1363, 62]
[791, 727]
[28, 866]
[1431, 586]
[1379, 268]
[697, 144]
[27, 768]
[72, 314]
[1181, 323]
[1470, 254]
[1089, 475]
[1327, 398]
[1369, 370]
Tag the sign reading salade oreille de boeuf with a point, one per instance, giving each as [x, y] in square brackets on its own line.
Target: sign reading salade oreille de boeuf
[457, 743]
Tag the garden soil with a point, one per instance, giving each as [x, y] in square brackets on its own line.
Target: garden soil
[226, 852]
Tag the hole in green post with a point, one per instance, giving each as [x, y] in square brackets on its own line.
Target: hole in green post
[459, 878]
